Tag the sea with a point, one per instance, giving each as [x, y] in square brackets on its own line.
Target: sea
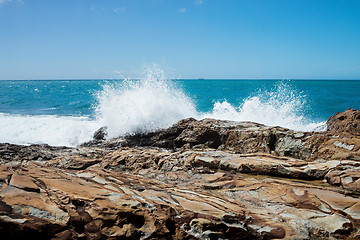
[68, 112]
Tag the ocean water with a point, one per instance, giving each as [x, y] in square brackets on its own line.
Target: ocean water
[68, 112]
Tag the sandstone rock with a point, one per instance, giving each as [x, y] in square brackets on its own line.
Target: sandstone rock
[23, 182]
[176, 195]
[348, 180]
[207, 179]
[348, 121]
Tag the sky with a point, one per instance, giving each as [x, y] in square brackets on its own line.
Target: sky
[81, 39]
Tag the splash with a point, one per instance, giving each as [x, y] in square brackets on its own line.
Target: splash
[153, 102]
[126, 106]
[282, 106]
[143, 105]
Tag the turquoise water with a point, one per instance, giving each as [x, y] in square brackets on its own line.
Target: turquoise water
[322, 98]
[67, 112]
[77, 97]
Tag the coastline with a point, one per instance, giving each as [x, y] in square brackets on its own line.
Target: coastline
[207, 179]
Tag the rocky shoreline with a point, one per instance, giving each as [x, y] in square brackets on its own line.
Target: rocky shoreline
[207, 179]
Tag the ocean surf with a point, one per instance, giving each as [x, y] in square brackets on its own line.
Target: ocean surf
[67, 113]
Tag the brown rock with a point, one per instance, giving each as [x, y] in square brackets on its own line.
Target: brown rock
[348, 180]
[23, 182]
[348, 121]
[205, 179]
[245, 138]
[212, 196]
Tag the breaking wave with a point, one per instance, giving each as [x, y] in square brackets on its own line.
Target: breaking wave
[147, 104]
[282, 106]
[152, 102]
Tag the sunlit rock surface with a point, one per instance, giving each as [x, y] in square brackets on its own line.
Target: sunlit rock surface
[206, 179]
[348, 121]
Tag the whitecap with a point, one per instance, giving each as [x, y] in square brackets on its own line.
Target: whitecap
[147, 104]
[282, 106]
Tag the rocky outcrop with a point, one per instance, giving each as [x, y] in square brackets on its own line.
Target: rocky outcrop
[100, 134]
[205, 179]
[348, 121]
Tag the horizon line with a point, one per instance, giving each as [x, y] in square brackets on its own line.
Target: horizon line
[84, 79]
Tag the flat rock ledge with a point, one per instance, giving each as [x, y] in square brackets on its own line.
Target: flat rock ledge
[207, 179]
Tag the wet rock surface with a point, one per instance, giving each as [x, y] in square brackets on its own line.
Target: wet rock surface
[206, 179]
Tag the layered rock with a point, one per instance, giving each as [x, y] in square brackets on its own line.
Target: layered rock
[206, 179]
[144, 193]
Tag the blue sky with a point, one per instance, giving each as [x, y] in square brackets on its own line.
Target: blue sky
[189, 39]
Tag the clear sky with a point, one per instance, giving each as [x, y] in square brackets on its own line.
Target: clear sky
[48, 39]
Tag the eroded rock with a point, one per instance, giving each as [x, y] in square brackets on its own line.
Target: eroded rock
[177, 195]
[207, 179]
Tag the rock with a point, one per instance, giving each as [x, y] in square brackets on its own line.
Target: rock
[100, 134]
[207, 179]
[12, 152]
[348, 121]
[348, 180]
[146, 193]
[243, 138]
[23, 182]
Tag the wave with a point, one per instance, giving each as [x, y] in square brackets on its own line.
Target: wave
[147, 104]
[282, 106]
[150, 103]
[153, 103]
[124, 107]
[48, 129]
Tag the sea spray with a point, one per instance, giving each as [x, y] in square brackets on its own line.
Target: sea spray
[282, 106]
[142, 105]
[148, 103]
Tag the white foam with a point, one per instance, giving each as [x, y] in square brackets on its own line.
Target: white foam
[280, 107]
[125, 107]
[147, 104]
[40, 129]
